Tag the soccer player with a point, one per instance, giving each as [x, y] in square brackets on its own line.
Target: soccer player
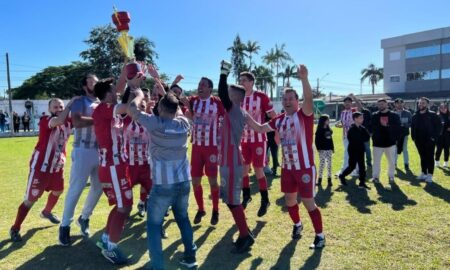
[84, 163]
[113, 170]
[170, 173]
[206, 112]
[230, 156]
[298, 173]
[46, 165]
[254, 144]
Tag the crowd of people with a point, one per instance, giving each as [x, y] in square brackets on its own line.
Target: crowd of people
[5, 119]
[143, 140]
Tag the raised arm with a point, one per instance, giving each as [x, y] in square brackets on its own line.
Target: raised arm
[61, 118]
[357, 102]
[308, 106]
[256, 126]
[223, 86]
[155, 75]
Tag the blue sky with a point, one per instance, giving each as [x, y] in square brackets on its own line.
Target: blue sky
[192, 36]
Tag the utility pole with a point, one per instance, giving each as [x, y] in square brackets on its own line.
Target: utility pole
[11, 118]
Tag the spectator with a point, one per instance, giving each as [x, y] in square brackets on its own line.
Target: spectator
[385, 128]
[325, 146]
[2, 121]
[16, 122]
[26, 121]
[405, 123]
[425, 130]
[443, 142]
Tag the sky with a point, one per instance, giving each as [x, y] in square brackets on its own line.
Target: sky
[334, 39]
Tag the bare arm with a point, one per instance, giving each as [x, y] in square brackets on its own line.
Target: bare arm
[80, 121]
[256, 126]
[308, 105]
[122, 82]
[177, 79]
[61, 118]
[133, 106]
[154, 73]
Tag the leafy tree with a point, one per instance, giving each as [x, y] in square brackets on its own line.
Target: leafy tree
[144, 50]
[374, 75]
[264, 78]
[289, 72]
[238, 56]
[251, 48]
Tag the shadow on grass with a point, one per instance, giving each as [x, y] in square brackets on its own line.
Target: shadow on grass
[17, 245]
[313, 261]
[394, 196]
[357, 197]
[282, 203]
[284, 260]
[436, 190]
[256, 263]
[323, 196]
[408, 176]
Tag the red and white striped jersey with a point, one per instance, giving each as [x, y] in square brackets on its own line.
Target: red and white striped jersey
[108, 127]
[136, 142]
[296, 137]
[205, 117]
[50, 151]
[256, 105]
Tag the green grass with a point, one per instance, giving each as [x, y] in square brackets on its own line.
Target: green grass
[406, 226]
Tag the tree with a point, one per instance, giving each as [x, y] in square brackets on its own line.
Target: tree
[144, 50]
[251, 48]
[264, 78]
[374, 75]
[237, 56]
[289, 72]
[270, 59]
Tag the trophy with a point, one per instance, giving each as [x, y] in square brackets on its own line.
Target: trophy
[121, 19]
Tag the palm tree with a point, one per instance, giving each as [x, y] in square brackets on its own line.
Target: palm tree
[237, 56]
[289, 72]
[270, 59]
[264, 78]
[252, 47]
[374, 74]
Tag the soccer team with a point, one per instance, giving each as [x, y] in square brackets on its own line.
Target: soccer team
[143, 140]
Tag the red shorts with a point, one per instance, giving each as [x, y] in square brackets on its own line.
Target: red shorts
[301, 181]
[116, 184]
[38, 182]
[140, 174]
[204, 157]
[254, 153]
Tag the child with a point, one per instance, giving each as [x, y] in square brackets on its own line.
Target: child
[357, 135]
[325, 146]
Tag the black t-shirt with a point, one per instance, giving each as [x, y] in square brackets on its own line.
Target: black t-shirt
[385, 139]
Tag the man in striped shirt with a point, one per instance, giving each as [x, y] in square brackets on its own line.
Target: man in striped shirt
[254, 144]
[298, 173]
[46, 165]
[206, 110]
[84, 163]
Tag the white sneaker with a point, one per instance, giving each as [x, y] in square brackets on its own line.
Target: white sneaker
[421, 177]
[355, 173]
[267, 170]
[429, 178]
[446, 164]
[436, 163]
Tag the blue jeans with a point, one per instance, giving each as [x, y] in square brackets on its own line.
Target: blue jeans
[368, 154]
[160, 198]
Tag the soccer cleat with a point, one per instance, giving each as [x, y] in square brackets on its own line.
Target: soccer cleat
[64, 235]
[445, 164]
[319, 242]
[297, 231]
[198, 216]
[243, 244]
[329, 182]
[319, 181]
[215, 217]
[101, 244]
[429, 178]
[51, 217]
[15, 235]
[189, 262]
[422, 176]
[363, 185]
[376, 180]
[342, 179]
[141, 209]
[263, 208]
[84, 226]
[115, 256]
[436, 163]
[246, 197]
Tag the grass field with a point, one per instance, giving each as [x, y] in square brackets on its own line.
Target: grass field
[403, 226]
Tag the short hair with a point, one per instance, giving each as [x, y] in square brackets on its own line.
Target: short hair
[248, 75]
[54, 99]
[356, 115]
[169, 103]
[85, 77]
[102, 87]
[398, 100]
[210, 82]
[290, 90]
[348, 98]
[238, 88]
[382, 100]
[176, 86]
[426, 99]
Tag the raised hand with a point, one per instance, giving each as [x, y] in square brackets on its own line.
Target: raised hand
[178, 79]
[302, 72]
[225, 67]
[152, 71]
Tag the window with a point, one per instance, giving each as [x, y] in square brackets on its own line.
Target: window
[423, 75]
[395, 78]
[393, 56]
[423, 51]
[445, 48]
[445, 74]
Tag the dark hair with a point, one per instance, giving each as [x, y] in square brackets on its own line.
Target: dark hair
[175, 86]
[322, 119]
[398, 100]
[86, 76]
[169, 103]
[356, 115]
[290, 90]
[426, 99]
[248, 74]
[210, 82]
[348, 98]
[102, 87]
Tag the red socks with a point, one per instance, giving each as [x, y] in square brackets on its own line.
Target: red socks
[51, 202]
[262, 182]
[215, 198]
[316, 218]
[294, 213]
[117, 224]
[239, 218]
[198, 194]
[22, 212]
[246, 182]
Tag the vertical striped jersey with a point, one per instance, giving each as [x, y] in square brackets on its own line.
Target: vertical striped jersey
[84, 137]
[205, 117]
[136, 142]
[256, 105]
